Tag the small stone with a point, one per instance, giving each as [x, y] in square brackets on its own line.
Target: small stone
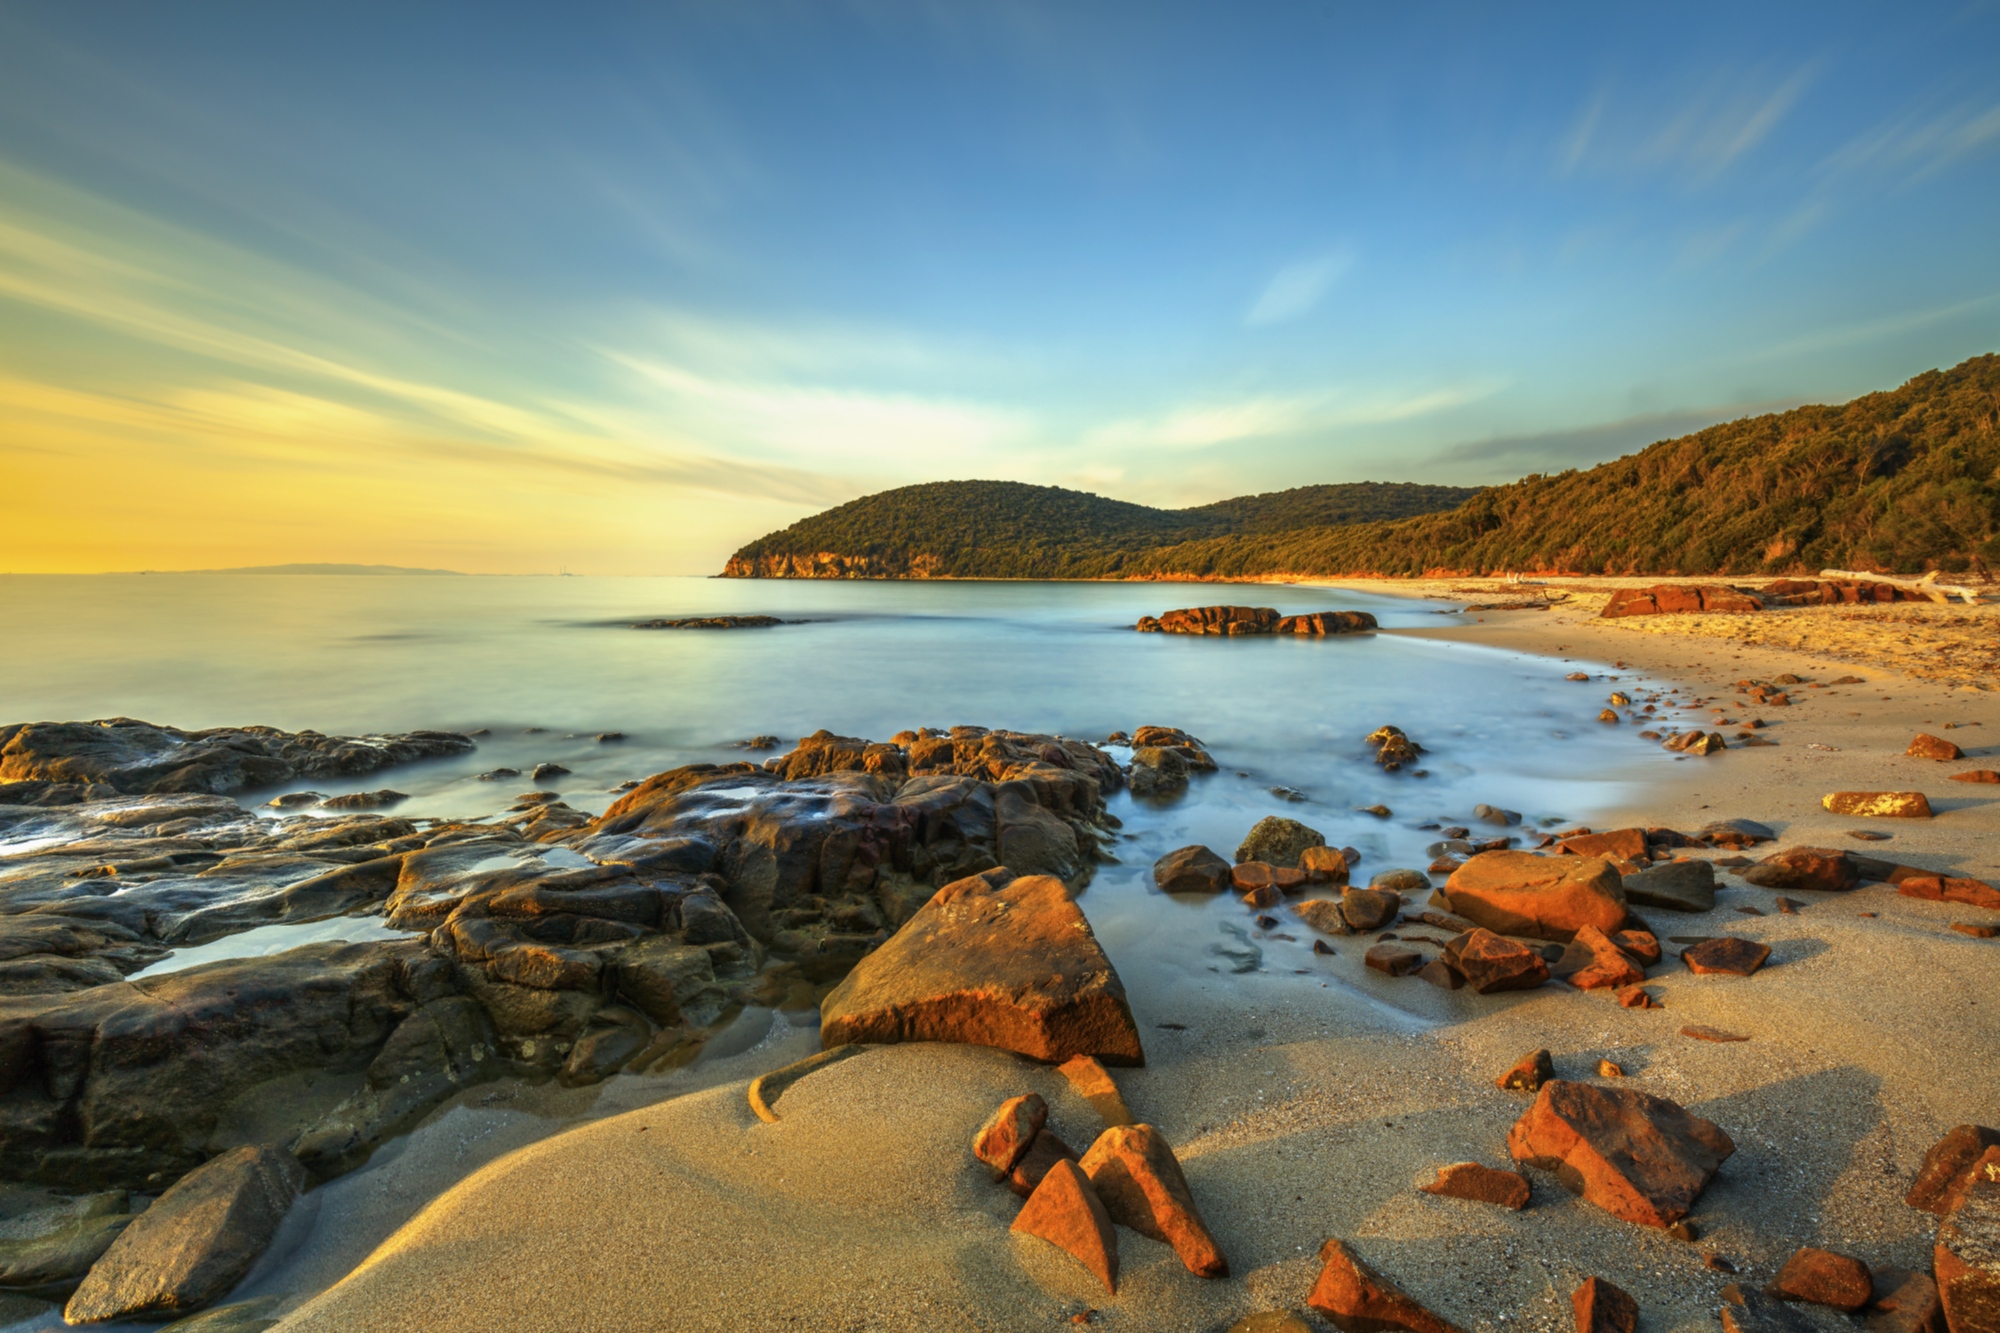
[1529, 1073]
[1094, 1084]
[1728, 955]
[1493, 814]
[1977, 775]
[1702, 1032]
[1610, 1069]
[1268, 895]
[1603, 1308]
[1824, 1278]
[609, 737]
[1977, 932]
[1065, 1211]
[1323, 948]
[1369, 909]
[1359, 1300]
[1786, 907]
[1879, 804]
[1637, 997]
[1400, 881]
[1393, 959]
[1927, 746]
[1577, 675]
[1642, 945]
[1379, 811]
[1042, 1154]
[1949, 1167]
[1008, 1132]
[1481, 1184]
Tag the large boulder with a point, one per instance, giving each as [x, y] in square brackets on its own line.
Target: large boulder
[1640, 1158]
[1547, 897]
[134, 757]
[990, 960]
[1278, 841]
[195, 1243]
[1967, 1261]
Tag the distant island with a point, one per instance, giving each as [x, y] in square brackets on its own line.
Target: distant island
[310, 569]
[1901, 481]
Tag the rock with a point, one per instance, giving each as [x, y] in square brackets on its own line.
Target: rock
[1493, 814]
[1317, 623]
[1678, 886]
[1636, 997]
[1942, 888]
[1726, 955]
[1911, 1305]
[1393, 750]
[1007, 964]
[1441, 974]
[1640, 1158]
[1065, 1211]
[1625, 844]
[1095, 1086]
[1359, 1300]
[1697, 743]
[1607, 715]
[1985, 775]
[1977, 932]
[1278, 841]
[1529, 1073]
[1702, 1032]
[1491, 964]
[1191, 870]
[1927, 746]
[711, 622]
[1400, 881]
[1824, 1278]
[1737, 833]
[1747, 1310]
[1324, 865]
[1679, 598]
[1818, 869]
[1266, 895]
[1590, 961]
[1034, 1164]
[1879, 804]
[195, 1243]
[1008, 1132]
[1394, 959]
[1967, 1261]
[1139, 1179]
[1642, 946]
[1577, 675]
[1603, 1308]
[1369, 909]
[765, 1089]
[1323, 914]
[1158, 771]
[1481, 1184]
[53, 1260]
[543, 772]
[1947, 1170]
[1547, 897]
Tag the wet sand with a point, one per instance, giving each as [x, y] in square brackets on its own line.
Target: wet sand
[1303, 1112]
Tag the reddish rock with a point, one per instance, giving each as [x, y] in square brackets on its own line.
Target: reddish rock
[1642, 945]
[1678, 598]
[1547, 897]
[1967, 1261]
[1370, 909]
[1441, 974]
[1640, 1158]
[1323, 914]
[1727, 955]
[1191, 870]
[1819, 869]
[1136, 1174]
[1637, 997]
[1945, 888]
[1529, 1073]
[1325, 622]
[1013, 965]
[1625, 844]
[1602, 1308]
[1008, 1132]
[1324, 865]
[1977, 932]
[1911, 1305]
[1065, 1211]
[1491, 964]
[1481, 1184]
[1977, 775]
[1736, 833]
[1248, 875]
[1042, 1154]
[1266, 895]
[1822, 1277]
[1093, 1083]
[1947, 1170]
[1394, 959]
[1590, 961]
[1359, 1300]
[1702, 1032]
[1927, 746]
[1879, 804]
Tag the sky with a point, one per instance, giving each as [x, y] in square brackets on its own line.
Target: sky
[617, 289]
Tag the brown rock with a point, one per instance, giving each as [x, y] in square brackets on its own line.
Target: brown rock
[1947, 1170]
[1702, 1032]
[1136, 1174]
[1325, 865]
[1590, 961]
[1441, 974]
[1747, 1310]
[1726, 955]
[1977, 932]
[1359, 1300]
[1042, 1154]
[1927, 746]
[1394, 959]
[1824, 1278]
[1370, 909]
[1911, 1305]
[1248, 875]
[1492, 964]
[1065, 1211]
[1948, 889]
[1625, 844]
[1879, 804]
[1637, 997]
[1191, 870]
[1266, 895]
[1008, 1132]
[1819, 869]
[1602, 1308]
[1481, 1184]
[1640, 1158]
[1610, 1069]
[1095, 1086]
[1967, 1261]
[1977, 775]
[1642, 945]
[1323, 914]
[1678, 598]
[1529, 1073]
[1547, 897]
[1012, 965]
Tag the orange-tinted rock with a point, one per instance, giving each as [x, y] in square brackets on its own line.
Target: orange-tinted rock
[1642, 945]
[1625, 844]
[1481, 1184]
[1370, 909]
[1967, 1261]
[1820, 869]
[1323, 914]
[1947, 1169]
[1977, 775]
[1325, 622]
[1359, 1300]
[1095, 1086]
[1636, 997]
[1042, 1154]
[1702, 1032]
[1547, 897]
[1911, 1305]
[1603, 1308]
[1395, 959]
[1727, 955]
[1265, 895]
[1678, 598]
[1248, 875]
[1065, 1211]
[1949, 889]
[1529, 1073]
[1008, 1132]
[1491, 964]
[1014, 966]
[1324, 865]
[1590, 961]
[1191, 870]
[1136, 1174]
[1822, 1277]
[1927, 746]
[1977, 932]
[1879, 804]
[1640, 1158]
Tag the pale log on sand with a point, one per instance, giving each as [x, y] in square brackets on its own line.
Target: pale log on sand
[1927, 585]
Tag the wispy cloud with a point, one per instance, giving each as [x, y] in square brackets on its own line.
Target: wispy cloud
[1697, 134]
[1203, 424]
[1297, 289]
[1919, 144]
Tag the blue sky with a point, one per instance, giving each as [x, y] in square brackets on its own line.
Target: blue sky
[500, 287]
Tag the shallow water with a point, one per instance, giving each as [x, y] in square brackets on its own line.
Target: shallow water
[263, 940]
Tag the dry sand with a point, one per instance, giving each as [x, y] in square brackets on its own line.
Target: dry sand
[1304, 1112]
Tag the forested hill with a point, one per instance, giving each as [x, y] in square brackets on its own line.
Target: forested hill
[1007, 529]
[1900, 481]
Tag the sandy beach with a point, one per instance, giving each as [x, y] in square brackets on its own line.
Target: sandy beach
[1301, 1116]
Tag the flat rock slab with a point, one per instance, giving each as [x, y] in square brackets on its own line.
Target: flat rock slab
[1065, 1211]
[195, 1243]
[1640, 1158]
[1678, 886]
[1359, 1300]
[1013, 965]
[1140, 1182]
[1545, 897]
[1727, 955]
[1950, 889]
[1480, 1184]
[1822, 1277]
[1819, 869]
[1879, 804]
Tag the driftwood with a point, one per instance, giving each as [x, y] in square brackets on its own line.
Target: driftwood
[1927, 585]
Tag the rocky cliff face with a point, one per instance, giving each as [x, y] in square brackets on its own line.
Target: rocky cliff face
[833, 565]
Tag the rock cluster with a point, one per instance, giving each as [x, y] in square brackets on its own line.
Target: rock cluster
[1237, 620]
[711, 622]
[1671, 598]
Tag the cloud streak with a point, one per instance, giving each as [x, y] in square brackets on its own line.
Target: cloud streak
[1297, 289]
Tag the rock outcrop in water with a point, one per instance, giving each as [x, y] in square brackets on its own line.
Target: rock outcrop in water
[1239, 620]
